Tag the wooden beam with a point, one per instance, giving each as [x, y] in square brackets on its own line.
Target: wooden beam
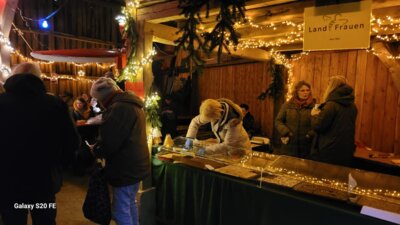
[169, 34]
[169, 11]
[162, 33]
[392, 64]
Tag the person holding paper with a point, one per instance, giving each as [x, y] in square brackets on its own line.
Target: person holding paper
[334, 122]
[293, 122]
[226, 123]
[122, 142]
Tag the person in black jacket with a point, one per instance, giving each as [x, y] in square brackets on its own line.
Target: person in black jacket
[122, 142]
[37, 137]
[248, 120]
[334, 122]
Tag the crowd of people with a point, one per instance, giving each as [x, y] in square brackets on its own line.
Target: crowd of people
[45, 139]
[323, 132]
[36, 146]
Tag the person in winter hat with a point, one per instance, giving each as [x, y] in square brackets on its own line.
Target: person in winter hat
[334, 122]
[122, 142]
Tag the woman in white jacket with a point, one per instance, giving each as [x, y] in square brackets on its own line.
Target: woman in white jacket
[226, 123]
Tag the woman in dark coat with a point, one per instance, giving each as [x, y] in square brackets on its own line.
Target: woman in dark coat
[293, 122]
[334, 123]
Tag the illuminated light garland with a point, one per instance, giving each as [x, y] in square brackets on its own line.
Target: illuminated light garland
[28, 59]
[81, 73]
[5, 70]
[273, 26]
[133, 68]
[6, 41]
[388, 38]
[373, 51]
[290, 38]
[66, 77]
[387, 23]
[133, 4]
[287, 63]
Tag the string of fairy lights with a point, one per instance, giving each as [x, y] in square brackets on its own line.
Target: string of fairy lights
[133, 67]
[338, 185]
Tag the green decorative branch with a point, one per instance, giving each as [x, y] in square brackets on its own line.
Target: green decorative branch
[224, 33]
[151, 109]
[276, 87]
[190, 40]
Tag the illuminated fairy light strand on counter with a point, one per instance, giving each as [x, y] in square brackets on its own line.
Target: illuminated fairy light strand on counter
[338, 185]
[133, 68]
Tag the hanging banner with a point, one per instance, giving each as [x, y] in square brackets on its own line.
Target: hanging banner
[342, 26]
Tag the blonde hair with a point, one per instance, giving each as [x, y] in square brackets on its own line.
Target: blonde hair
[210, 109]
[334, 82]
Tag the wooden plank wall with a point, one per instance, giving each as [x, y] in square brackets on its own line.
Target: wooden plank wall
[78, 24]
[375, 95]
[378, 120]
[242, 84]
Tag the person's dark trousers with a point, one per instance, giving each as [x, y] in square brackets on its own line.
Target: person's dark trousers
[40, 215]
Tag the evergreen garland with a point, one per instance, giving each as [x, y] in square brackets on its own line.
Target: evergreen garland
[131, 35]
[190, 38]
[151, 108]
[276, 87]
[222, 34]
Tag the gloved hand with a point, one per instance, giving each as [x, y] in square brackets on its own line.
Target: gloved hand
[188, 144]
[201, 152]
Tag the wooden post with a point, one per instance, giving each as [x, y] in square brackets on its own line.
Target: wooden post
[391, 64]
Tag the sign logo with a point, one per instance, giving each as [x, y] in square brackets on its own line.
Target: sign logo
[343, 26]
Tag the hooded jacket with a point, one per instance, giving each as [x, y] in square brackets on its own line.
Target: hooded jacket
[228, 130]
[37, 136]
[295, 122]
[122, 140]
[335, 128]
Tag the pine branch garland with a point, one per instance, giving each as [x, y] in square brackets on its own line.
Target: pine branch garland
[220, 37]
[276, 87]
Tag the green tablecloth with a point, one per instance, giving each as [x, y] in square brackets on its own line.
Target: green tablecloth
[191, 196]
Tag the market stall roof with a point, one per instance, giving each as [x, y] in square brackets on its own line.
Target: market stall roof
[78, 55]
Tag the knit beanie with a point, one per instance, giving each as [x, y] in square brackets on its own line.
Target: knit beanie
[103, 87]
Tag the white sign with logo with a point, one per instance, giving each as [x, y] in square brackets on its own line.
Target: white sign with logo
[342, 26]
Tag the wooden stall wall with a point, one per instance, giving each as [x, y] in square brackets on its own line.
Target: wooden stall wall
[241, 83]
[78, 24]
[377, 100]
